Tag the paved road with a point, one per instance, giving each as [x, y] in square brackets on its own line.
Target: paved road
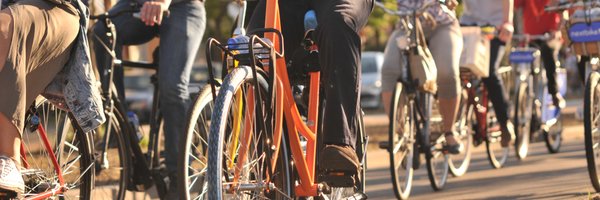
[540, 176]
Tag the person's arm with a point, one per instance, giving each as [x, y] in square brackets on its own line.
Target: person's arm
[152, 11]
[506, 28]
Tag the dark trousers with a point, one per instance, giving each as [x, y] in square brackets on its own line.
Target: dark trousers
[340, 50]
[581, 67]
[494, 84]
[549, 63]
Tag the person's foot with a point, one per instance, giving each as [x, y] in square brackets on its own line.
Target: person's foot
[452, 146]
[558, 100]
[10, 176]
[508, 133]
[339, 165]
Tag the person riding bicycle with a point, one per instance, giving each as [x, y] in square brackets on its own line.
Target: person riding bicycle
[339, 22]
[536, 21]
[43, 50]
[500, 15]
[180, 25]
[444, 40]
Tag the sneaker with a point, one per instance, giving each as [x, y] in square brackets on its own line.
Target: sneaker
[339, 165]
[452, 146]
[10, 176]
[558, 100]
[508, 134]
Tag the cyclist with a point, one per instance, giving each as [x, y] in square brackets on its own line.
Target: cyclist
[182, 24]
[445, 43]
[339, 57]
[536, 22]
[39, 44]
[500, 15]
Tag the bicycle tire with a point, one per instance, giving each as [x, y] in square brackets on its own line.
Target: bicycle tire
[464, 125]
[553, 137]
[437, 170]
[195, 139]
[234, 81]
[522, 118]
[112, 172]
[402, 186]
[497, 155]
[590, 114]
[72, 148]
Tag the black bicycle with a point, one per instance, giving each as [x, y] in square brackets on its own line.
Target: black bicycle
[121, 162]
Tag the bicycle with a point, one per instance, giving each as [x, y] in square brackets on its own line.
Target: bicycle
[591, 100]
[411, 116]
[476, 113]
[532, 114]
[250, 149]
[56, 155]
[121, 164]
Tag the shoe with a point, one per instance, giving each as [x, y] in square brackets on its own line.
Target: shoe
[508, 134]
[451, 145]
[339, 165]
[10, 176]
[172, 192]
[558, 100]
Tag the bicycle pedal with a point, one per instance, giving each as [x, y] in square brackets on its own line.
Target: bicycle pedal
[340, 178]
[384, 145]
[7, 195]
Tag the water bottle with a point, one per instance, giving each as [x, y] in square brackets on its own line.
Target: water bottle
[135, 122]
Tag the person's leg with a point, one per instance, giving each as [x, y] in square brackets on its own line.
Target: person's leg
[340, 54]
[130, 31]
[496, 92]
[550, 64]
[10, 143]
[391, 69]
[583, 60]
[180, 36]
[446, 47]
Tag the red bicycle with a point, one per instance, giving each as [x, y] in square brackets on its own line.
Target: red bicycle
[56, 155]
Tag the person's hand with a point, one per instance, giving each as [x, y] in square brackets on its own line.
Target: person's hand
[506, 31]
[451, 4]
[152, 12]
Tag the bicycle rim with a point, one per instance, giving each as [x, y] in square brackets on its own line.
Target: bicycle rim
[192, 167]
[459, 164]
[437, 161]
[591, 124]
[497, 155]
[232, 174]
[72, 150]
[523, 110]
[111, 159]
[401, 139]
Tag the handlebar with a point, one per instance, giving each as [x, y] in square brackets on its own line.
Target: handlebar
[578, 4]
[404, 13]
[526, 37]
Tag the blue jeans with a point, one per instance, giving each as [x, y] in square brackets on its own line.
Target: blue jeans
[180, 35]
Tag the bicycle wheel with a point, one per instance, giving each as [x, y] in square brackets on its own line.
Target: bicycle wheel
[242, 171]
[497, 155]
[553, 136]
[591, 122]
[112, 158]
[459, 164]
[192, 161]
[523, 110]
[401, 139]
[437, 160]
[72, 149]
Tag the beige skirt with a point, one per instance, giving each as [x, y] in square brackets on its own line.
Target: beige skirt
[42, 36]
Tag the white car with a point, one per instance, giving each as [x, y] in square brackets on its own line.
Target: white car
[370, 94]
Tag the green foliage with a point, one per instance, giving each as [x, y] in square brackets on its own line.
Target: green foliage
[218, 23]
[379, 27]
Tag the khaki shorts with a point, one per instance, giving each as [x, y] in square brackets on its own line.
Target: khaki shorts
[445, 43]
[42, 36]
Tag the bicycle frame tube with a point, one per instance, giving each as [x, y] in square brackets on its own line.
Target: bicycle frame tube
[286, 105]
[61, 188]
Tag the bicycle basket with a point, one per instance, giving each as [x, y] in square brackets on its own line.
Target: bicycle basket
[583, 32]
[475, 55]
